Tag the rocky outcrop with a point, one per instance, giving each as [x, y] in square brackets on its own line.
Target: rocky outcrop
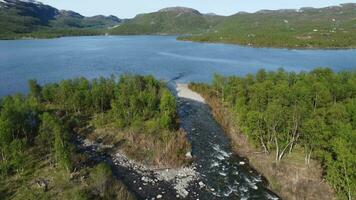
[180, 10]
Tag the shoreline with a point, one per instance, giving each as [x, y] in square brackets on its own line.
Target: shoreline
[268, 47]
[183, 91]
[188, 40]
[143, 180]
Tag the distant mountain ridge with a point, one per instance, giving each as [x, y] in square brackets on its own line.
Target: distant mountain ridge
[26, 16]
[180, 10]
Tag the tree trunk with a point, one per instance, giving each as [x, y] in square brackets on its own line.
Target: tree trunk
[264, 146]
[277, 148]
[284, 150]
[307, 156]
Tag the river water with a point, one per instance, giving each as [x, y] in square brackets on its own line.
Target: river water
[224, 174]
[162, 56]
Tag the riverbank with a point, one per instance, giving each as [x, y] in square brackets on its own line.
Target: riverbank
[290, 179]
[268, 46]
[143, 180]
[225, 173]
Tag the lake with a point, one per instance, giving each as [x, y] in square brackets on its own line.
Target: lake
[164, 57]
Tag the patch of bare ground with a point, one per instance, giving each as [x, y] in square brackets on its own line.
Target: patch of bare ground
[166, 150]
[291, 179]
[154, 158]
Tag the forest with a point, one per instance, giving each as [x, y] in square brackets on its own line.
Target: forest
[39, 158]
[282, 113]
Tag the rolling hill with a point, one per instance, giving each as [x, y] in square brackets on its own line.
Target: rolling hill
[174, 20]
[32, 18]
[330, 27]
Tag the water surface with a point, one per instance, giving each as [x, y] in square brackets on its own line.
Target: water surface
[162, 56]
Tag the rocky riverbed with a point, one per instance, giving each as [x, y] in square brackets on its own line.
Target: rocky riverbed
[216, 172]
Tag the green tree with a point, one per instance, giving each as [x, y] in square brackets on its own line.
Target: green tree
[168, 110]
[35, 89]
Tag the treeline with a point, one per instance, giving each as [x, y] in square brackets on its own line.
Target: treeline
[39, 128]
[312, 112]
[51, 33]
[279, 38]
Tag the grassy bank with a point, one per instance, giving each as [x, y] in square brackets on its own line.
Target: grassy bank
[305, 183]
[290, 179]
[294, 169]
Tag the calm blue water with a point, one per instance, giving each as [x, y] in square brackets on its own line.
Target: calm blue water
[162, 56]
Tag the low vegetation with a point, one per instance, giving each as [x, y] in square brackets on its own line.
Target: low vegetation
[39, 159]
[331, 27]
[167, 22]
[142, 118]
[287, 115]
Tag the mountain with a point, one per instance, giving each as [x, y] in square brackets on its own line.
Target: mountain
[180, 10]
[28, 16]
[330, 27]
[173, 20]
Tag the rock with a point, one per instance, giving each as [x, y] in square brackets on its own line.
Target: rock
[42, 184]
[241, 162]
[159, 196]
[201, 184]
[145, 179]
[140, 188]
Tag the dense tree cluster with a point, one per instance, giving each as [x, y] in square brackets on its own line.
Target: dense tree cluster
[48, 116]
[282, 112]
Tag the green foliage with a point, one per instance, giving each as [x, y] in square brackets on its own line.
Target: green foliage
[35, 89]
[168, 110]
[314, 28]
[314, 110]
[40, 125]
[18, 127]
[139, 99]
[30, 20]
[171, 22]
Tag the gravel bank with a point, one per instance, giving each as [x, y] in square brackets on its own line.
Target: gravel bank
[184, 92]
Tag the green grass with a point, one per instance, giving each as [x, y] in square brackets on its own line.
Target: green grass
[167, 23]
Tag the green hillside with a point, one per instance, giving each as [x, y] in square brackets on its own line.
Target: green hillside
[19, 19]
[332, 27]
[168, 21]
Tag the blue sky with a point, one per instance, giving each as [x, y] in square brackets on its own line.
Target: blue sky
[129, 8]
